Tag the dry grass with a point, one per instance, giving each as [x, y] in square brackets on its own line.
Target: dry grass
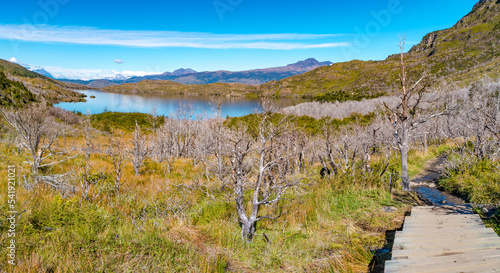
[166, 221]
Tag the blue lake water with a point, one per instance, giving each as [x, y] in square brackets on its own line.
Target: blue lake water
[165, 104]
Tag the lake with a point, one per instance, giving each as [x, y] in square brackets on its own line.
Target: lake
[165, 104]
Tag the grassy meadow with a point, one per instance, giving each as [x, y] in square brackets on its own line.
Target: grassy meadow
[171, 218]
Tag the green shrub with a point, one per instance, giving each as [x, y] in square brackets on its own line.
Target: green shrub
[479, 182]
[342, 96]
[126, 121]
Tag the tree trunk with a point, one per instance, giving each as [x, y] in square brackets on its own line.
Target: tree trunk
[248, 229]
[247, 223]
[404, 148]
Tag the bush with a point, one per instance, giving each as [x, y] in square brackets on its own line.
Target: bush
[125, 121]
[478, 182]
[342, 96]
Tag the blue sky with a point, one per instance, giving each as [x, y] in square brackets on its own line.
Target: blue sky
[90, 38]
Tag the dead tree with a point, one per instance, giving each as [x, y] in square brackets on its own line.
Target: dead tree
[267, 178]
[88, 134]
[38, 132]
[404, 116]
[117, 154]
[341, 147]
[140, 150]
[163, 150]
[217, 162]
[154, 121]
[475, 125]
[328, 137]
[185, 127]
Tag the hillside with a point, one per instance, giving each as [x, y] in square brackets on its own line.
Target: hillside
[14, 93]
[19, 79]
[463, 53]
[170, 87]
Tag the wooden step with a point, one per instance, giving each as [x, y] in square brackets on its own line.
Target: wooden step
[439, 225]
[431, 217]
[440, 213]
[444, 231]
[465, 262]
[432, 236]
[457, 208]
[444, 239]
[452, 242]
[436, 251]
[483, 268]
[451, 258]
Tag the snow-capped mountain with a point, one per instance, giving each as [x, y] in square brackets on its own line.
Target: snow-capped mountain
[118, 77]
[37, 69]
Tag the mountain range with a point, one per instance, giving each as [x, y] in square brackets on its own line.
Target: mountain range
[190, 76]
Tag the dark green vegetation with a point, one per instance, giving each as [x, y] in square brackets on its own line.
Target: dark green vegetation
[478, 182]
[109, 121]
[14, 93]
[51, 90]
[466, 52]
[342, 96]
[494, 221]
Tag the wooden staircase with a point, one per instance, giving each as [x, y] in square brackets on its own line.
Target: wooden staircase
[444, 239]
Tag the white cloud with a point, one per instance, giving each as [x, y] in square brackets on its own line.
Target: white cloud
[13, 60]
[94, 36]
[118, 61]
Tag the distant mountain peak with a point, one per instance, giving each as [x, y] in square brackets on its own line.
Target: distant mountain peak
[310, 62]
[182, 71]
